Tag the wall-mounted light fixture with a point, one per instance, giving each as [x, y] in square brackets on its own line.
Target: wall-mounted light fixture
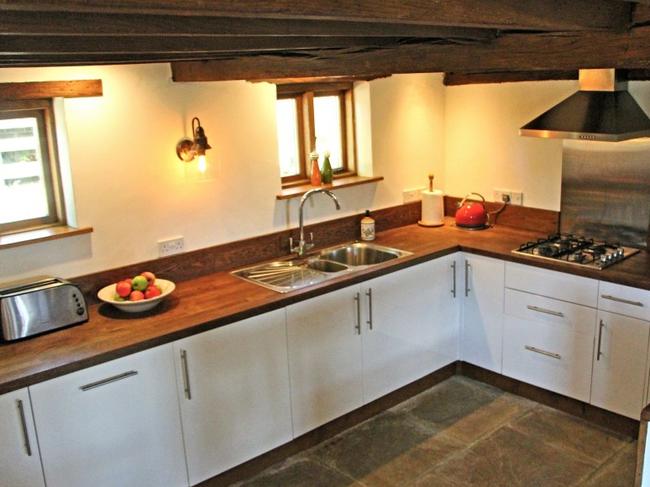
[188, 149]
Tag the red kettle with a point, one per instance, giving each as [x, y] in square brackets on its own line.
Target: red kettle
[472, 214]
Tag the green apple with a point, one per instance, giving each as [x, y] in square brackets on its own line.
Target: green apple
[139, 283]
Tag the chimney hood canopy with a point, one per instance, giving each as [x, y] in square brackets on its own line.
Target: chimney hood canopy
[603, 110]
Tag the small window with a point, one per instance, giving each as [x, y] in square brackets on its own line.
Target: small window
[30, 191]
[319, 118]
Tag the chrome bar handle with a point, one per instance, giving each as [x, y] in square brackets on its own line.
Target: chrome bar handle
[621, 300]
[23, 425]
[467, 289]
[543, 352]
[600, 339]
[357, 299]
[108, 380]
[545, 311]
[453, 281]
[369, 321]
[186, 375]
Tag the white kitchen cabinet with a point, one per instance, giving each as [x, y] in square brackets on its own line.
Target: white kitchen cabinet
[620, 364]
[483, 284]
[234, 389]
[117, 423]
[325, 357]
[20, 463]
[410, 326]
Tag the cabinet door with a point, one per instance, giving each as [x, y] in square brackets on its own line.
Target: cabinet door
[325, 358]
[113, 424]
[20, 463]
[620, 359]
[482, 311]
[234, 389]
[409, 326]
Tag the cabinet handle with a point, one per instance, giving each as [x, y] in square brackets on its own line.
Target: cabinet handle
[108, 380]
[186, 375]
[23, 425]
[543, 352]
[600, 339]
[545, 311]
[357, 300]
[467, 289]
[369, 294]
[621, 300]
[453, 279]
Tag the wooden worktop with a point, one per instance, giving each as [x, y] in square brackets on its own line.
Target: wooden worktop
[218, 299]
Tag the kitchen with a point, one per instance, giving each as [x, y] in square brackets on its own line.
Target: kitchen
[130, 187]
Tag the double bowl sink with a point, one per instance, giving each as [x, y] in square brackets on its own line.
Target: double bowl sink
[289, 275]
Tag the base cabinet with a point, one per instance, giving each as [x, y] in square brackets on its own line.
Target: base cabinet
[620, 364]
[20, 463]
[481, 335]
[113, 424]
[234, 393]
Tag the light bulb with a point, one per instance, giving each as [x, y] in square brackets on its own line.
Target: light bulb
[202, 164]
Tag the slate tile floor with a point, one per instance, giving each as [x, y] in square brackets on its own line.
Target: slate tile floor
[462, 433]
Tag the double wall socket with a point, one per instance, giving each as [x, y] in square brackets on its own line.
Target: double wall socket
[508, 196]
[411, 195]
[171, 246]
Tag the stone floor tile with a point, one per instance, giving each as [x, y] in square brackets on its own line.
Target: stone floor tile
[488, 418]
[509, 458]
[451, 400]
[375, 443]
[571, 434]
[300, 472]
[617, 472]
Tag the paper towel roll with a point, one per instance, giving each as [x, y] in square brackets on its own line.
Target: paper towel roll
[433, 211]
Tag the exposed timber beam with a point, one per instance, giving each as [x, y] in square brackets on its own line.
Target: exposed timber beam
[550, 15]
[519, 52]
[50, 89]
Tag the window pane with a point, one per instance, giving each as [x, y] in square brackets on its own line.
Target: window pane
[23, 192]
[288, 147]
[327, 125]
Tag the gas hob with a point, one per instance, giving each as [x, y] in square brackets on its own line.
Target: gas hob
[576, 250]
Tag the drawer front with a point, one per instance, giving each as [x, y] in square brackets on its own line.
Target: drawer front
[553, 284]
[563, 318]
[549, 351]
[625, 300]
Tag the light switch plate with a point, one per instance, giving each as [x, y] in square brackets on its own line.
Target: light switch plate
[411, 195]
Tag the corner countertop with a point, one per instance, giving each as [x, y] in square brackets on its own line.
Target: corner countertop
[218, 299]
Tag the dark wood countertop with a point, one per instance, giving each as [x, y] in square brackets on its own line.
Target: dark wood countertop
[217, 299]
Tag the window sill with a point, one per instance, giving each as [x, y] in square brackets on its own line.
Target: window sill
[345, 182]
[28, 237]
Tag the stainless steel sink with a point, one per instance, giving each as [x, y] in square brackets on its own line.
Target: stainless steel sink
[288, 275]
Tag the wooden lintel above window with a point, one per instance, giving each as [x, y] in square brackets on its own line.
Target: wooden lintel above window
[34, 90]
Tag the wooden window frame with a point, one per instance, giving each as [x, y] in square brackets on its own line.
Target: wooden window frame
[304, 94]
[43, 109]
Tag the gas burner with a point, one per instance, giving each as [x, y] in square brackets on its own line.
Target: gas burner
[576, 250]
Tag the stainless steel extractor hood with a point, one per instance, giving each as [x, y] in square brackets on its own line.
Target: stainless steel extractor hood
[602, 110]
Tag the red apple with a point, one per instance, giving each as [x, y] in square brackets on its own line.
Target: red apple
[149, 276]
[123, 289]
[136, 296]
[129, 280]
[152, 292]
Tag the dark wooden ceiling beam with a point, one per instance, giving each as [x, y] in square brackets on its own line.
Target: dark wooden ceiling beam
[77, 24]
[549, 15]
[518, 52]
[50, 89]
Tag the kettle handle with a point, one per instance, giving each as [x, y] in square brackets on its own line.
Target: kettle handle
[468, 195]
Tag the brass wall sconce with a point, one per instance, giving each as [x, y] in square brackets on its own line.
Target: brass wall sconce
[188, 149]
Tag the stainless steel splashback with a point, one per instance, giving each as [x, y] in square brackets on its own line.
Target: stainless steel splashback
[606, 191]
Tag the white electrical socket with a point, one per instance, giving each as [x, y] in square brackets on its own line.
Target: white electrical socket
[171, 246]
[411, 195]
[508, 196]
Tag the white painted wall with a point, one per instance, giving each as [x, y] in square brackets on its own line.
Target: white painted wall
[132, 189]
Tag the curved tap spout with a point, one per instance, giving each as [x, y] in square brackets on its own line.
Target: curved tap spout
[302, 245]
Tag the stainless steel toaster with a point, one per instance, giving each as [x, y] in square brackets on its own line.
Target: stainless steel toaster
[34, 306]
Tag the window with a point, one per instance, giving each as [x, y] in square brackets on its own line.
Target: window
[320, 118]
[30, 190]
